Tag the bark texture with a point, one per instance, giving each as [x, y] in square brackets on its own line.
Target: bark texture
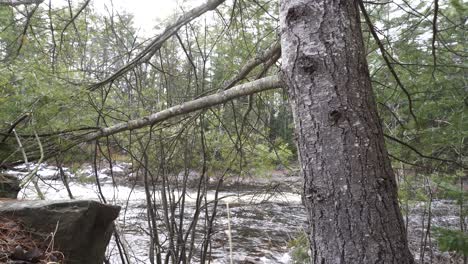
[349, 189]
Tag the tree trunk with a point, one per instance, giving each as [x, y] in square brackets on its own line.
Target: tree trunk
[350, 191]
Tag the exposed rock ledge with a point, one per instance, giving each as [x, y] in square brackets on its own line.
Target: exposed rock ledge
[9, 186]
[83, 227]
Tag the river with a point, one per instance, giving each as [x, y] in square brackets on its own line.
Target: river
[262, 222]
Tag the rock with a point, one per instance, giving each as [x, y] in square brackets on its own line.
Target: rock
[9, 186]
[192, 177]
[251, 260]
[46, 172]
[119, 170]
[84, 227]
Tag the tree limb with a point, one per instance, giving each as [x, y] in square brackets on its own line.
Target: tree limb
[156, 44]
[387, 61]
[20, 2]
[434, 35]
[419, 153]
[273, 51]
[12, 127]
[72, 21]
[25, 28]
[249, 88]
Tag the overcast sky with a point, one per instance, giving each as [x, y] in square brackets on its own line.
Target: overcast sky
[145, 11]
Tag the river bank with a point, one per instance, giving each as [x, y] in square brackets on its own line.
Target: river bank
[264, 214]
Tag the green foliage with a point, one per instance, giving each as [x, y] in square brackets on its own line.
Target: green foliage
[459, 6]
[264, 158]
[412, 190]
[300, 248]
[422, 188]
[84, 179]
[449, 187]
[435, 81]
[49, 76]
[415, 189]
[452, 240]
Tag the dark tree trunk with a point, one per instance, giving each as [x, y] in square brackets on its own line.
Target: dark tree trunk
[349, 191]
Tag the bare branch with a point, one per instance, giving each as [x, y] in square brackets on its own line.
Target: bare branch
[20, 2]
[434, 34]
[26, 26]
[72, 21]
[273, 51]
[20, 146]
[156, 44]
[419, 153]
[13, 125]
[387, 61]
[256, 86]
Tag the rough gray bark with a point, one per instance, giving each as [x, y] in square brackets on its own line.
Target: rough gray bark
[349, 191]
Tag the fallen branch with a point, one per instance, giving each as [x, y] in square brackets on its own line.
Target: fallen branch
[249, 88]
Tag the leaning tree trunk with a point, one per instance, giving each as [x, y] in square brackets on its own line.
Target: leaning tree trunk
[349, 191]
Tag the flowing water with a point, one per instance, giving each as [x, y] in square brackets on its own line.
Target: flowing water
[262, 223]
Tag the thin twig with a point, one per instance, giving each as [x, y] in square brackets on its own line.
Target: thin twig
[415, 150]
[434, 35]
[386, 59]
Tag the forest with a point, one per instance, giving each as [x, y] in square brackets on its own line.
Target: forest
[244, 131]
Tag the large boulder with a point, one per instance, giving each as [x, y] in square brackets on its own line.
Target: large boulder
[83, 227]
[9, 186]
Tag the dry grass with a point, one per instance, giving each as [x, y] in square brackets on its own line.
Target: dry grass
[19, 244]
